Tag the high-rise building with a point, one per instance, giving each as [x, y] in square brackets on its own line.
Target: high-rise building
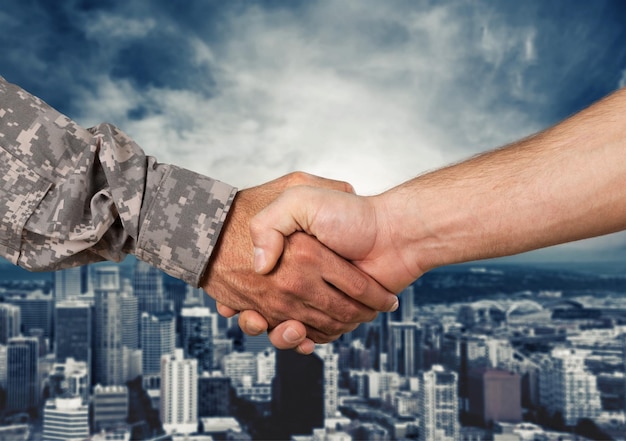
[148, 287]
[110, 406]
[69, 379]
[108, 349]
[494, 396]
[74, 331]
[130, 319]
[213, 394]
[330, 362]
[565, 386]
[37, 310]
[297, 376]
[10, 322]
[197, 335]
[158, 338]
[71, 282]
[22, 374]
[65, 419]
[179, 393]
[405, 348]
[438, 407]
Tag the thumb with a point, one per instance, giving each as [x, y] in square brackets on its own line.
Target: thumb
[268, 229]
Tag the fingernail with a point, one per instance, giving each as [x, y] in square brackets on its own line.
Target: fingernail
[291, 335]
[259, 259]
[395, 305]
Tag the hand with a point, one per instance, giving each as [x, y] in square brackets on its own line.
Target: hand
[311, 284]
[355, 227]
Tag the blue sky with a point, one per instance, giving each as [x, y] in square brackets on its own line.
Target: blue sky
[366, 91]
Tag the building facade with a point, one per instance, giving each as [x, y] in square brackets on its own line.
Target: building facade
[179, 393]
[438, 405]
[65, 419]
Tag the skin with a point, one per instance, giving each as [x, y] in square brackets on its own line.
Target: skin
[564, 184]
[311, 284]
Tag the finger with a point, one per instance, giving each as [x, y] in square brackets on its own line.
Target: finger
[359, 286]
[288, 335]
[225, 311]
[252, 323]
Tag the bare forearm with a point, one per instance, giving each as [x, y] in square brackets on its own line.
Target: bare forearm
[564, 184]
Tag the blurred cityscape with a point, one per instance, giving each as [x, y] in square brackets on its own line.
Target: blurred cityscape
[483, 351]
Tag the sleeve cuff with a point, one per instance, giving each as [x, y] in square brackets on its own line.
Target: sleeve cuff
[183, 222]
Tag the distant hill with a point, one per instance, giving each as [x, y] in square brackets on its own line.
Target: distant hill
[469, 282]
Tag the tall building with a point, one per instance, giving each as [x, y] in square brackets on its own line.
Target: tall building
[565, 386]
[22, 374]
[158, 338]
[197, 335]
[179, 393]
[37, 310]
[405, 348]
[330, 362]
[495, 395]
[71, 282]
[297, 376]
[108, 349]
[438, 407]
[213, 394]
[10, 322]
[74, 331]
[65, 419]
[148, 287]
[130, 319]
[110, 406]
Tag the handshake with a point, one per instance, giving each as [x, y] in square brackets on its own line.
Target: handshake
[309, 260]
[309, 272]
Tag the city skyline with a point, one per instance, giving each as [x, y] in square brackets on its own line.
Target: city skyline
[442, 369]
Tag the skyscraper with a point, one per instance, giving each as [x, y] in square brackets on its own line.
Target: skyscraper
[158, 338]
[406, 308]
[37, 310]
[148, 287]
[70, 282]
[130, 319]
[405, 348]
[10, 322]
[197, 336]
[22, 374]
[108, 351]
[74, 327]
[179, 393]
[439, 419]
[330, 362]
[297, 376]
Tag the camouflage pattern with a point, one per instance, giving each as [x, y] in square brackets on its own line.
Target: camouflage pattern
[73, 196]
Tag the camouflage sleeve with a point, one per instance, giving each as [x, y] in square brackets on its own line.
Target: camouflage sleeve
[71, 196]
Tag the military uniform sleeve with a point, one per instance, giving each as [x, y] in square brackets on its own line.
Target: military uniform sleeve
[71, 196]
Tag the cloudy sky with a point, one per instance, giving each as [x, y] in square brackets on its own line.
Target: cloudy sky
[362, 90]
